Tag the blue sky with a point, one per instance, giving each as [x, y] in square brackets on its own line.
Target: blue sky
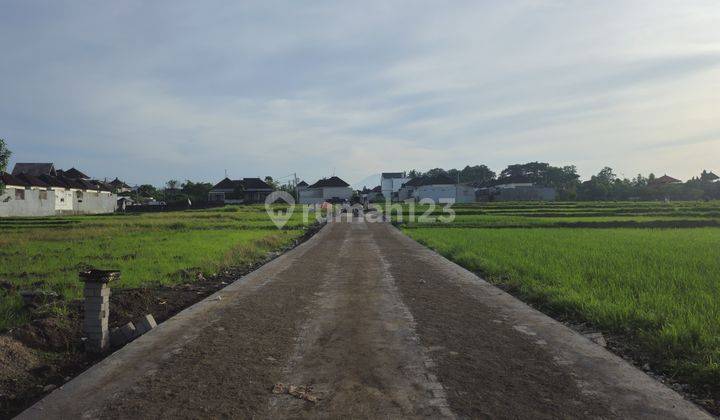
[151, 91]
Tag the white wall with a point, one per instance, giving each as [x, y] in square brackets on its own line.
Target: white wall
[444, 192]
[63, 199]
[310, 196]
[33, 206]
[320, 195]
[337, 192]
[391, 185]
[30, 206]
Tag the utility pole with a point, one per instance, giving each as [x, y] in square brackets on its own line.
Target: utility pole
[297, 192]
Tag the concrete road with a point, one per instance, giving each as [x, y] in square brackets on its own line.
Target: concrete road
[373, 325]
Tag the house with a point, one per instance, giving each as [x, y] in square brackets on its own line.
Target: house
[407, 190]
[124, 202]
[371, 195]
[331, 189]
[36, 190]
[34, 169]
[241, 191]
[516, 189]
[391, 182]
[664, 180]
[710, 176]
[119, 186]
[443, 189]
[72, 173]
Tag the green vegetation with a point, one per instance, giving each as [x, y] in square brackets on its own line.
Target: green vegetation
[149, 249]
[5, 154]
[606, 185]
[659, 288]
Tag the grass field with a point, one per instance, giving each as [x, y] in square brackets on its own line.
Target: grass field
[149, 249]
[658, 287]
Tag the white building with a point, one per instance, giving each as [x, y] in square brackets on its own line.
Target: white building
[328, 189]
[391, 182]
[442, 189]
[47, 195]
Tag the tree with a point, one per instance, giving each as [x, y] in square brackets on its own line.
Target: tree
[436, 172]
[146, 191]
[606, 175]
[197, 192]
[271, 182]
[5, 154]
[480, 175]
[172, 184]
[414, 173]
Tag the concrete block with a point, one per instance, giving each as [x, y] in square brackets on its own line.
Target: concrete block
[95, 323]
[129, 331]
[99, 292]
[145, 324]
[94, 329]
[117, 338]
[90, 285]
[96, 314]
[98, 343]
[96, 300]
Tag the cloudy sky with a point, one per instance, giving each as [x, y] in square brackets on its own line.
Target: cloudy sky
[155, 90]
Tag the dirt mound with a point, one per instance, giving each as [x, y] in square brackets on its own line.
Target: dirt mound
[49, 334]
[16, 361]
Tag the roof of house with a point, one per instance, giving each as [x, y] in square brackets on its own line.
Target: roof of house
[302, 184]
[666, 180]
[393, 175]
[377, 189]
[53, 181]
[245, 184]
[333, 181]
[712, 177]
[415, 182]
[255, 184]
[72, 183]
[74, 173]
[35, 169]
[8, 179]
[32, 180]
[45, 181]
[438, 180]
[118, 184]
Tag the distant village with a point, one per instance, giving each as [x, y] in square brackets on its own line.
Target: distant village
[40, 189]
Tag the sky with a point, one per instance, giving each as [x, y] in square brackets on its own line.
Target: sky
[158, 90]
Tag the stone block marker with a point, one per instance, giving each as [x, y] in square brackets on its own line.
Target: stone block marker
[97, 308]
[145, 324]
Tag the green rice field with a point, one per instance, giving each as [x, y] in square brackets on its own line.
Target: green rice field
[649, 272]
[149, 249]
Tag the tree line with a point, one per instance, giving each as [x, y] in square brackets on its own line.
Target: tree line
[606, 185]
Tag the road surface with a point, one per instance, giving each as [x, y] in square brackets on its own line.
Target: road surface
[373, 325]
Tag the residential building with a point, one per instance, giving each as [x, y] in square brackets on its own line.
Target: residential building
[665, 180]
[72, 173]
[443, 189]
[517, 189]
[407, 191]
[35, 190]
[371, 195]
[34, 169]
[241, 191]
[119, 186]
[391, 182]
[331, 189]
